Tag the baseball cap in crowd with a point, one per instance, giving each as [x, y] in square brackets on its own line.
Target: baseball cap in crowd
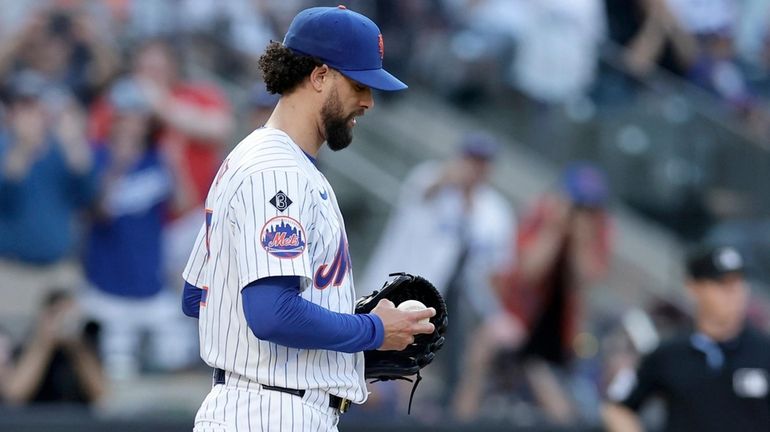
[479, 145]
[127, 96]
[714, 262]
[346, 41]
[27, 84]
[585, 185]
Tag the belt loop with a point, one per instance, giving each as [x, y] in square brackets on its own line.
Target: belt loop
[219, 376]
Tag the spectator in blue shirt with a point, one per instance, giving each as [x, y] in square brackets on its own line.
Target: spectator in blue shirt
[123, 259]
[45, 178]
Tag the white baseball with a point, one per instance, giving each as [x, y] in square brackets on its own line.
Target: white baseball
[413, 305]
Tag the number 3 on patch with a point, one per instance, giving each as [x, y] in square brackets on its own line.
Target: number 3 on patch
[283, 237]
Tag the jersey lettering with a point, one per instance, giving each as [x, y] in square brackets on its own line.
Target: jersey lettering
[337, 270]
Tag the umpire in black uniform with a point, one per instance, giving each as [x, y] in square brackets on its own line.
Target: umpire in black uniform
[717, 377]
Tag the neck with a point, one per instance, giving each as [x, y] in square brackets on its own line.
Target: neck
[297, 119]
[718, 331]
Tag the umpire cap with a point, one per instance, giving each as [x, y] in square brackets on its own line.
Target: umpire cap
[714, 262]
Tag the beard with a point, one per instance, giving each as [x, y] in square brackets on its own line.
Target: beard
[338, 133]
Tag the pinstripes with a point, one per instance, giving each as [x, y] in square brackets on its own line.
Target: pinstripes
[229, 323]
[241, 328]
[249, 410]
[280, 406]
[262, 417]
[264, 219]
[216, 403]
[227, 401]
[299, 420]
[219, 295]
[266, 162]
[237, 403]
[256, 269]
[308, 376]
[312, 418]
[231, 407]
[197, 256]
[297, 375]
[293, 421]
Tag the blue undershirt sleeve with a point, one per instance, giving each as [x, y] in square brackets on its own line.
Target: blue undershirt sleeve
[191, 300]
[277, 313]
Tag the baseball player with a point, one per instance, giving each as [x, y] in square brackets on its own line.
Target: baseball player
[270, 275]
[714, 378]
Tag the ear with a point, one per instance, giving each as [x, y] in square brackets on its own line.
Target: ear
[319, 76]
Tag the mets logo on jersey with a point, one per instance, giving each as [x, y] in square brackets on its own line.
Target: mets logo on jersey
[283, 237]
[337, 270]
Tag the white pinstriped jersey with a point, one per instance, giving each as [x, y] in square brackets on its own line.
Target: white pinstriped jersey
[270, 212]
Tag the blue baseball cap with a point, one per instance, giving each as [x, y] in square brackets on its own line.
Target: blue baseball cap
[27, 84]
[346, 41]
[585, 184]
[480, 145]
[126, 96]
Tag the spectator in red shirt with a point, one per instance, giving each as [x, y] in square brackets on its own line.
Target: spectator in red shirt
[196, 123]
[196, 117]
[563, 246]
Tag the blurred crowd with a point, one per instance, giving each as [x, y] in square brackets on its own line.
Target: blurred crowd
[115, 115]
[516, 285]
[551, 50]
[108, 148]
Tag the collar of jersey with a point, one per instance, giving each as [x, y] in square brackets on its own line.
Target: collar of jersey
[312, 159]
[729, 345]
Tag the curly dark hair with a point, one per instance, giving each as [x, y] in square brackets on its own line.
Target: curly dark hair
[283, 69]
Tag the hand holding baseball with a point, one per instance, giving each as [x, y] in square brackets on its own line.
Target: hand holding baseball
[402, 325]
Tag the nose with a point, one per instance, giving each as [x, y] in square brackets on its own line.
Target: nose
[367, 99]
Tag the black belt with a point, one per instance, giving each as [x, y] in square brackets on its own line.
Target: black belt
[335, 402]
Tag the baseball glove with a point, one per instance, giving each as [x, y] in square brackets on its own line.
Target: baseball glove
[390, 365]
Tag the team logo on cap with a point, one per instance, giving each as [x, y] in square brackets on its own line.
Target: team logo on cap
[381, 46]
[283, 237]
